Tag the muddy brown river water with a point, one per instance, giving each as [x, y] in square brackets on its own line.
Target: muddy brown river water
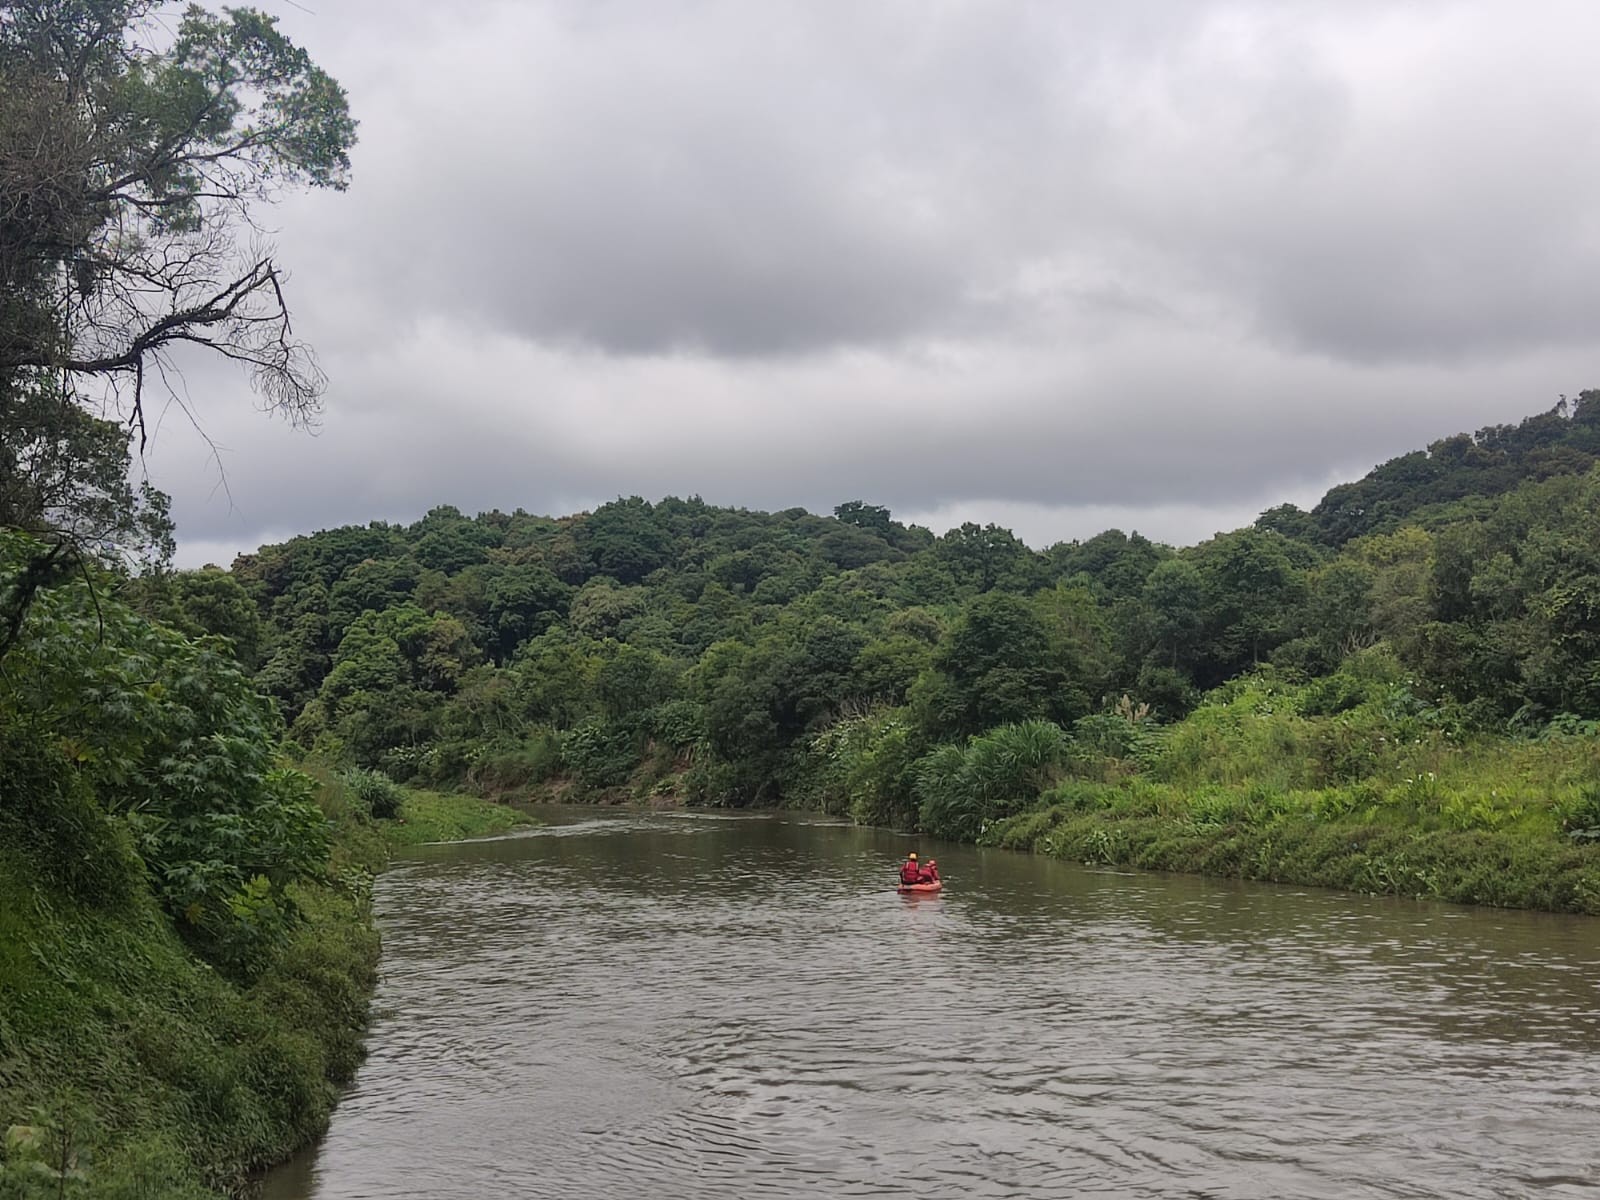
[699, 1006]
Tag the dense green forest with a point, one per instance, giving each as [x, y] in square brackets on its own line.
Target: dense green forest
[851, 663]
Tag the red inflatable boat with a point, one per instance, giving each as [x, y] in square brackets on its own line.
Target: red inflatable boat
[921, 889]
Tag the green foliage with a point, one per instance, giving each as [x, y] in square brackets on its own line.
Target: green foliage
[1581, 817]
[999, 665]
[517, 768]
[624, 540]
[1496, 460]
[600, 754]
[148, 1073]
[378, 795]
[871, 517]
[125, 729]
[63, 468]
[960, 790]
[48, 812]
[731, 657]
[1232, 836]
[863, 766]
[1115, 565]
[208, 602]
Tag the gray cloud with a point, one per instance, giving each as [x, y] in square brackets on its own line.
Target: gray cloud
[1070, 261]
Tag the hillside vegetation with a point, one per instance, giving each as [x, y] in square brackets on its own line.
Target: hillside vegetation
[1416, 656]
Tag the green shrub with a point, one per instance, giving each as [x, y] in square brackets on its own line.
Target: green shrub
[1077, 795]
[601, 753]
[376, 794]
[502, 768]
[1581, 820]
[996, 775]
[169, 740]
[711, 783]
[48, 811]
[677, 723]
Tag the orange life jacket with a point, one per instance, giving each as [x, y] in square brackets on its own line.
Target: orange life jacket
[910, 873]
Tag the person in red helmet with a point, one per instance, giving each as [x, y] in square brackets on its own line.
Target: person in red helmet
[911, 870]
[929, 872]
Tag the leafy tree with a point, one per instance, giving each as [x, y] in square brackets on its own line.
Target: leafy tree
[64, 478]
[601, 609]
[873, 518]
[1339, 614]
[1495, 460]
[887, 669]
[985, 557]
[554, 678]
[523, 601]
[1174, 595]
[847, 547]
[632, 681]
[446, 541]
[1116, 564]
[1253, 592]
[205, 602]
[997, 666]
[1291, 521]
[129, 163]
[65, 472]
[371, 585]
[624, 540]
[392, 673]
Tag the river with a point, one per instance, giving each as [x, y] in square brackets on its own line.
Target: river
[699, 1006]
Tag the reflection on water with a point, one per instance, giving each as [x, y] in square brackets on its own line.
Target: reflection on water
[697, 1006]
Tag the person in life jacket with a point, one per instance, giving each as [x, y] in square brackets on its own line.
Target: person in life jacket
[929, 872]
[911, 871]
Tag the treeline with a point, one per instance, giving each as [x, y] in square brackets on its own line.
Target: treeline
[854, 663]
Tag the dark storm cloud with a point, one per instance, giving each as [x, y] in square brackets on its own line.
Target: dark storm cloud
[1182, 257]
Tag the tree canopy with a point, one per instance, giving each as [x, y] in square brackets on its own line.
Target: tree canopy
[129, 164]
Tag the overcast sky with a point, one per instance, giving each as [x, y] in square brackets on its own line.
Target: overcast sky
[1061, 265]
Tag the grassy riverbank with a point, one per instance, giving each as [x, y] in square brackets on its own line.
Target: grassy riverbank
[1468, 867]
[451, 817]
[146, 1074]
[1355, 786]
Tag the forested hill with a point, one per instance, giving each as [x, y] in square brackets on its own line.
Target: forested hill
[1563, 441]
[722, 654]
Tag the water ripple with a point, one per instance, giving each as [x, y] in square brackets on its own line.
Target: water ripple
[695, 1007]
